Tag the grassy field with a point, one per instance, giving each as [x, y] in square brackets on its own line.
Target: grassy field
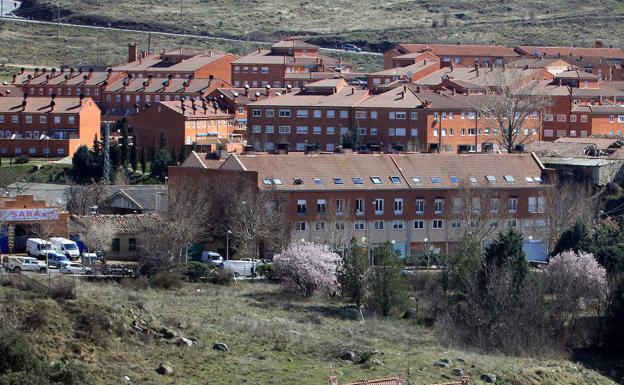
[361, 21]
[273, 338]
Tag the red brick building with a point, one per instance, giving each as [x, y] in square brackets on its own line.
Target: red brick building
[410, 72]
[413, 200]
[42, 127]
[291, 56]
[179, 63]
[463, 55]
[184, 122]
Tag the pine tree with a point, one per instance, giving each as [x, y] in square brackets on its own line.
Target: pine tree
[387, 284]
[506, 252]
[352, 273]
[162, 144]
[115, 155]
[82, 162]
[134, 156]
[182, 155]
[172, 158]
[143, 160]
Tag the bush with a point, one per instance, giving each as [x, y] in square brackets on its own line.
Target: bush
[167, 280]
[198, 271]
[222, 277]
[267, 271]
[22, 159]
[69, 373]
[63, 290]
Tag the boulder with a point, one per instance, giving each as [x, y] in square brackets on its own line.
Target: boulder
[458, 372]
[185, 342]
[376, 362]
[164, 369]
[348, 355]
[488, 378]
[442, 364]
[168, 334]
[220, 347]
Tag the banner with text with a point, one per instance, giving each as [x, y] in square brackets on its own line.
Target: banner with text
[25, 215]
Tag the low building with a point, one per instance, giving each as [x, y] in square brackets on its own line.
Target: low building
[47, 127]
[464, 55]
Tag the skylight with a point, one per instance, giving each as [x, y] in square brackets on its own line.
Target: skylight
[395, 179]
[376, 179]
[509, 178]
[338, 181]
[538, 179]
[454, 179]
[472, 179]
[267, 181]
[416, 179]
[490, 178]
[277, 181]
[529, 179]
[318, 181]
[356, 180]
[435, 179]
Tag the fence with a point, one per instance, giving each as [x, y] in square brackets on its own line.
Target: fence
[56, 286]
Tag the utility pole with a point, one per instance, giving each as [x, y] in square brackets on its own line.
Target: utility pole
[106, 162]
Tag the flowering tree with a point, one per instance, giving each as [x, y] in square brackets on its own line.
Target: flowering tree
[577, 282]
[309, 267]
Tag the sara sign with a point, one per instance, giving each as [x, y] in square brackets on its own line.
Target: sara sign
[25, 215]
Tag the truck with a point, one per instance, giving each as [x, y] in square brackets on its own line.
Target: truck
[18, 264]
[37, 247]
[246, 267]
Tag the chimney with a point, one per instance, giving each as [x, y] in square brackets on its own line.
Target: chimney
[90, 73]
[504, 66]
[598, 43]
[247, 90]
[210, 53]
[132, 52]
[288, 88]
[185, 86]
[52, 104]
[36, 71]
[477, 68]
[453, 92]
[352, 91]
[109, 72]
[81, 98]
[24, 102]
[22, 70]
[417, 89]
[14, 77]
[28, 78]
[268, 91]
[149, 79]
[257, 94]
[53, 72]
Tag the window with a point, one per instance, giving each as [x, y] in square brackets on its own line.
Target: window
[331, 131]
[376, 179]
[277, 181]
[572, 118]
[271, 113]
[419, 224]
[414, 131]
[317, 113]
[395, 179]
[373, 114]
[284, 129]
[398, 224]
[378, 225]
[267, 182]
[420, 206]
[398, 206]
[256, 129]
[317, 181]
[379, 206]
[359, 206]
[331, 114]
[509, 178]
[302, 113]
[115, 245]
[561, 117]
[536, 204]
[340, 206]
[321, 206]
[458, 204]
[491, 178]
[256, 112]
[548, 117]
[302, 130]
[611, 118]
[301, 206]
[361, 130]
[28, 119]
[338, 181]
[319, 226]
[14, 119]
[359, 225]
[32, 150]
[284, 113]
[373, 131]
[494, 205]
[270, 129]
[435, 179]
[437, 224]
[454, 179]
[399, 131]
[264, 70]
[438, 205]
[414, 115]
[512, 205]
[344, 114]
[236, 69]
[356, 180]
[60, 151]
[132, 244]
[620, 118]
[1, 118]
[513, 223]
[416, 179]
[400, 115]
[300, 226]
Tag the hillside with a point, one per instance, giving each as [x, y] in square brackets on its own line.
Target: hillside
[367, 22]
[273, 338]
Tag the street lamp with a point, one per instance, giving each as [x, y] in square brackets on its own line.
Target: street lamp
[426, 240]
[227, 245]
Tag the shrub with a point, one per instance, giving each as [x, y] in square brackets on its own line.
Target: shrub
[388, 289]
[167, 280]
[69, 373]
[63, 290]
[22, 159]
[198, 271]
[221, 277]
[268, 271]
[309, 267]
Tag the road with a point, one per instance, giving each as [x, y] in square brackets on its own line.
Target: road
[190, 35]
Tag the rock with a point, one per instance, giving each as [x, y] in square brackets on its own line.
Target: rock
[461, 360]
[168, 334]
[445, 377]
[458, 372]
[185, 342]
[290, 359]
[376, 362]
[445, 360]
[411, 314]
[262, 357]
[348, 355]
[488, 378]
[220, 347]
[164, 369]
[442, 364]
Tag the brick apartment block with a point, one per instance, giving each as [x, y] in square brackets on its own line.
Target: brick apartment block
[41, 127]
[287, 57]
[404, 198]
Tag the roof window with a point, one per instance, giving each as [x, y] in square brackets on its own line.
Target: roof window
[529, 179]
[454, 179]
[416, 179]
[509, 178]
[277, 181]
[318, 181]
[472, 179]
[267, 181]
[490, 178]
[435, 179]
[538, 179]
[395, 179]
[376, 179]
[356, 180]
[338, 181]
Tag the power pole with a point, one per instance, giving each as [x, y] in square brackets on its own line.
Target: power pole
[106, 162]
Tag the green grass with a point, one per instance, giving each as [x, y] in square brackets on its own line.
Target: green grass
[35, 171]
[273, 338]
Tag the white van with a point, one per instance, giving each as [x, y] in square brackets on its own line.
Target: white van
[66, 246]
[36, 247]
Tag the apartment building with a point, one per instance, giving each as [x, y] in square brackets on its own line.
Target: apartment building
[285, 58]
[184, 122]
[46, 127]
[415, 201]
[65, 82]
[410, 72]
[179, 63]
[463, 55]
[130, 95]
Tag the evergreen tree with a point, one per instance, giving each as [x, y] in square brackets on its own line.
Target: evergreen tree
[134, 156]
[160, 162]
[143, 160]
[506, 252]
[115, 155]
[172, 158]
[387, 284]
[162, 143]
[182, 156]
[352, 274]
[82, 162]
[576, 238]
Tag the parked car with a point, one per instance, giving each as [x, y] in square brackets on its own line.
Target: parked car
[66, 246]
[37, 247]
[56, 259]
[351, 47]
[74, 268]
[19, 264]
[245, 267]
[212, 258]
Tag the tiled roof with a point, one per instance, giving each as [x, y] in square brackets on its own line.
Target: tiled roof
[251, 97]
[533, 62]
[66, 78]
[6, 90]
[615, 109]
[575, 148]
[618, 85]
[554, 89]
[576, 74]
[294, 43]
[11, 104]
[199, 112]
[154, 63]
[346, 97]
[402, 168]
[263, 56]
[484, 77]
[409, 97]
[460, 50]
[408, 70]
[609, 53]
[176, 85]
[123, 224]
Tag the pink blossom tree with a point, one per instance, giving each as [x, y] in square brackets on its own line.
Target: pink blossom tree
[577, 283]
[309, 267]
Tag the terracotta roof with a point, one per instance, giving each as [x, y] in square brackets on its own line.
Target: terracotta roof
[154, 63]
[484, 77]
[346, 97]
[263, 56]
[575, 148]
[533, 62]
[460, 50]
[6, 90]
[407, 70]
[200, 158]
[176, 85]
[124, 224]
[12, 104]
[199, 112]
[66, 78]
[597, 110]
[403, 168]
[576, 74]
[409, 97]
[554, 89]
[251, 97]
[298, 44]
[618, 85]
[609, 53]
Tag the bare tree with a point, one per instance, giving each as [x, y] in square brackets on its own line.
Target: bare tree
[81, 198]
[98, 236]
[509, 106]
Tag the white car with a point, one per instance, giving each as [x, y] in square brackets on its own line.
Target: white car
[74, 268]
[66, 246]
[19, 264]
